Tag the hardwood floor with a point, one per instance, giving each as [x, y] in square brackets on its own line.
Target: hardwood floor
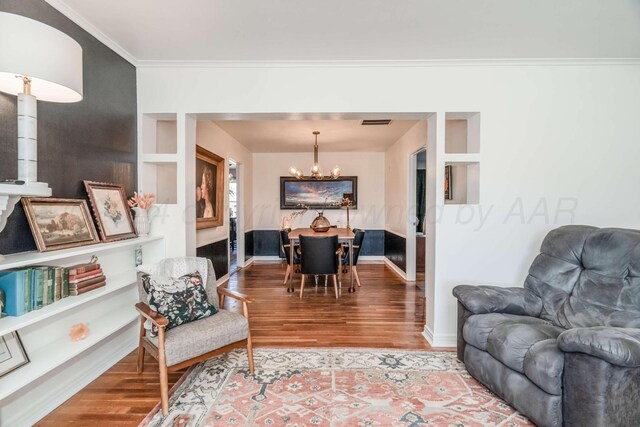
[386, 312]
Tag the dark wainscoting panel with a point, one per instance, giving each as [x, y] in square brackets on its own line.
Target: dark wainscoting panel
[217, 253]
[373, 244]
[395, 249]
[248, 245]
[93, 139]
[266, 243]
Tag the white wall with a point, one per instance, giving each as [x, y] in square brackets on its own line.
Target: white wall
[551, 133]
[368, 167]
[399, 204]
[213, 138]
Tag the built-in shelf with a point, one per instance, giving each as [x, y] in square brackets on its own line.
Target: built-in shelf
[32, 258]
[159, 158]
[10, 194]
[46, 359]
[462, 158]
[114, 283]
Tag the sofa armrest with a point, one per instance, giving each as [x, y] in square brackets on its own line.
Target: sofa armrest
[495, 299]
[618, 346]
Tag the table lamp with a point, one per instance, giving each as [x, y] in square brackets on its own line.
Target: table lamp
[36, 61]
[347, 202]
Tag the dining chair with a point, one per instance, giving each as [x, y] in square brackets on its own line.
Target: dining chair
[285, 245]
[193, 342]
[358, 239]
[319, 256]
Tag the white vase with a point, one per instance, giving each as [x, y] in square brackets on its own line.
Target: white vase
[142, 222]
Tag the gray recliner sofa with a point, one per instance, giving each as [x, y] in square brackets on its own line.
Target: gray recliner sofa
[565, 348]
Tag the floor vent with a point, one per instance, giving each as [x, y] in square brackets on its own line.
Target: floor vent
[382, 122]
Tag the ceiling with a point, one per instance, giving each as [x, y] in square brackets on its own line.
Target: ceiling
[290, 136]
[303, 30]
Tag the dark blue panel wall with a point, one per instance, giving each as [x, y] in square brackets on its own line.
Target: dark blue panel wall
[395, 249]
[93, 139]
[248, 245]
[217, 253]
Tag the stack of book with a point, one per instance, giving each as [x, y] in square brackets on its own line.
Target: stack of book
[84, 278]
[34, 287]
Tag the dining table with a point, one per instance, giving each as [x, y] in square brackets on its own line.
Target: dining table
[345, 235]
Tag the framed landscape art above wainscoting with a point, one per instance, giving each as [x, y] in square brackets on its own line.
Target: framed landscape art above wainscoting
[317, 193]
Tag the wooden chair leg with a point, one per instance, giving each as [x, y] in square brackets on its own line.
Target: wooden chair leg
[245, 310]
[286, 274]
[301, 286]
[164, 380]
[355, 273]
[141, 347]
[335, 284]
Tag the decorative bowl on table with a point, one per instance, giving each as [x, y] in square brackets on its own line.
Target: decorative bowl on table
[320, 224]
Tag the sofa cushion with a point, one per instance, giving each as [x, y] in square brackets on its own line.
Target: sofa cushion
[543, 365]
[478, 326]
[194, 339]
[510, 341]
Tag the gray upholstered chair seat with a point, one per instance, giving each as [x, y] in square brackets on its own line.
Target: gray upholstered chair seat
[525, 344]
[193, 339]
[478, 327]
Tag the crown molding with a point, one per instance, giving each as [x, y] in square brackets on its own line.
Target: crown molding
[61, 7]
[543, 62]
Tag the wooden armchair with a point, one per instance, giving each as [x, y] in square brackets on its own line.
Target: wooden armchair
[193, 342]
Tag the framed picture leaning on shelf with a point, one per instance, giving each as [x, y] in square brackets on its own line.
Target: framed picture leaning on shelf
[110, 208]
[59, 223]
[209, 189]
[12, 354]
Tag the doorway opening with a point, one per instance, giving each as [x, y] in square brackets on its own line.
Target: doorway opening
[416, 227]
[233, 217]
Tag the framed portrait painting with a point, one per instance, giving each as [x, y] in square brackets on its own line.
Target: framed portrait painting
[12, 354]
[110, 208]
[318, 194]
[209, 189]
[59, 223]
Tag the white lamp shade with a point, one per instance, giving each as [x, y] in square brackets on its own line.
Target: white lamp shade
[52, 60]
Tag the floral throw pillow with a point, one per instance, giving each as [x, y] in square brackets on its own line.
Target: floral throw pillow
[181, 300]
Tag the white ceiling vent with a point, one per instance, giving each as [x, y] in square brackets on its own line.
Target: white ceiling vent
[381, 122]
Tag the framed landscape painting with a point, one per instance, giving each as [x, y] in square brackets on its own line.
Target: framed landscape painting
[209, 189]
[317, 194]
[109, 205]
[59, 223]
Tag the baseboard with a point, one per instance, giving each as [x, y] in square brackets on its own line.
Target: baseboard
[248, 262]
[267, 258]
[371, 259]
[33, 405]
[395, 268]
[439, 340]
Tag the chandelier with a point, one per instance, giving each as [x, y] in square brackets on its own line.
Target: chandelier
[316, 171]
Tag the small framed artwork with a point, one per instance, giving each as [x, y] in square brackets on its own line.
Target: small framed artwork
[209, 189]
[110, 208]
[448, 182]
[12, 354]
[59, 223]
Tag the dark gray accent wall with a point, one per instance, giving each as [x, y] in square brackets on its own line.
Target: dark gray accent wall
[217, 253]
[395, 249]
[248, 245]
[93, 139]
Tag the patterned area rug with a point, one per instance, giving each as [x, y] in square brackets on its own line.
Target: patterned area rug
[333, 387]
